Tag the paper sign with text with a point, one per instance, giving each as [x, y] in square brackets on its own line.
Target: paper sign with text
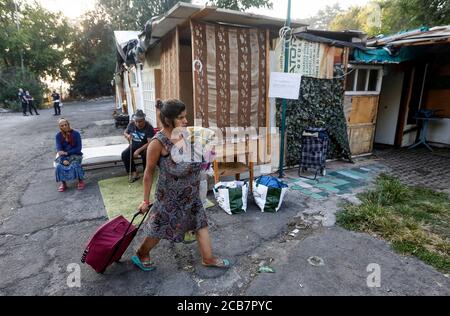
[284, 85]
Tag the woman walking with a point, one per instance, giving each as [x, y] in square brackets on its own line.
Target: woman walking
[177, 208]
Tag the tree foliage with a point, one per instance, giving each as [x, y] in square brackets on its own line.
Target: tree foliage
[93, 56]
[133, 14]
[392, 16]
[42, 37]
[241, 5]
[324, 17]
[11, 79]
[401, 15]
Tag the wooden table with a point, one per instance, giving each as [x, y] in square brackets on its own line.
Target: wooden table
[228, 166]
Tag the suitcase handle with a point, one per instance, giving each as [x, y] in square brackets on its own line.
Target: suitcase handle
[132, 220]
[126, 232]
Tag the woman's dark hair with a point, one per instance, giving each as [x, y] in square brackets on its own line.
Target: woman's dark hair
[169, 111]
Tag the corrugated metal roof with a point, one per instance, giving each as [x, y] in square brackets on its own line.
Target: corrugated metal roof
[182, 11]
[319, 39]
[422, 36]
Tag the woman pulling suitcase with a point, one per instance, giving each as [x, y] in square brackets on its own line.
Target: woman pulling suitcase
[177, 208]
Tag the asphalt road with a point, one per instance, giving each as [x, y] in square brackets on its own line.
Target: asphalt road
[43, 234]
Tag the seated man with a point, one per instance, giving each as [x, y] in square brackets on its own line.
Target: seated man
[138, 133]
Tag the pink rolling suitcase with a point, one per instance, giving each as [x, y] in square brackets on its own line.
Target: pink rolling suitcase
[109, 242]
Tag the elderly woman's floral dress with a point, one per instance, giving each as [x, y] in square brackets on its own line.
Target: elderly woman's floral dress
[177, 207]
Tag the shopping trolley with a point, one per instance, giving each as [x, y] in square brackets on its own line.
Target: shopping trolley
[313, 151]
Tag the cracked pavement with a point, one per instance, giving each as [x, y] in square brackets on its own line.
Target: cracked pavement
[42, 231]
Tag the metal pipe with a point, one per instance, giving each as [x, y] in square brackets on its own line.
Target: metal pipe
[284, 102]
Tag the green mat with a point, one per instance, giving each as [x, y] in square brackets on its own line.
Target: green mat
[120, 198]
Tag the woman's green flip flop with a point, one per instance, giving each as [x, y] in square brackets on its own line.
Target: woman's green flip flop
[145, 266]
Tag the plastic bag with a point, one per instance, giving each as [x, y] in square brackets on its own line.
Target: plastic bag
[268, 193]
[232, 196]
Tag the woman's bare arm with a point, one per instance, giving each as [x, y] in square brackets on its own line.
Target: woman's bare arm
[154, 150]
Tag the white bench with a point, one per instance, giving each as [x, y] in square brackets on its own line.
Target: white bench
[103, 156]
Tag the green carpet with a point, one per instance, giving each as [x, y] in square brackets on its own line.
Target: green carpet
[120, 198]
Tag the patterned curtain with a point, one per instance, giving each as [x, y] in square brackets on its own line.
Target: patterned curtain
[229, 76]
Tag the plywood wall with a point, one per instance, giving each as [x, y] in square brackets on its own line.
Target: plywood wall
[170, 68]
[361, 115]
[186, 81]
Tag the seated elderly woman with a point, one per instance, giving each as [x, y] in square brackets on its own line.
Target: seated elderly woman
[68, 162]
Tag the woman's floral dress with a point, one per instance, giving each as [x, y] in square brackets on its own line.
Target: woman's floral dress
[177, 207]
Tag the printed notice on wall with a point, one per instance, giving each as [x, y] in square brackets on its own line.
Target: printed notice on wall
[284, 85]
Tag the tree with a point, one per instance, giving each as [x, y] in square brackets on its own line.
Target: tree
[11, 78]
[40, 39]
[348, 20]
[324, 17]
[93, 56]
[401, 15]
[133, 14]
[392, 16]
[241, 5]
[39, 35]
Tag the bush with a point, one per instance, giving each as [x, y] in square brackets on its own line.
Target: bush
[11, 79]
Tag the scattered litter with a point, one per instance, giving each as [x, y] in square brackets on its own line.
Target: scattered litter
[316, 261]
[188, 268]
[198, 280]
[189, 237]
[301, 285]
[389, 290]
[447, 275]
[266, 269]
[294, 232]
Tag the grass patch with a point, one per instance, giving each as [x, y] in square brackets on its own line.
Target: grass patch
[415, 220]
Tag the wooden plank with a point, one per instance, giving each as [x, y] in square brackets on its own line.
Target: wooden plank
[364, 109]
[345, 62]
[404, 105]
[338, 55]
[444, 70]
[157, 73]
[169, 66]
[186, 95]
[268, 140]
[133, 99]
[251, 166]
[439, 100]
[186, 88]
[177, 61]
[216, 171]
[198, 15]
[330, 62]
[361, 138]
